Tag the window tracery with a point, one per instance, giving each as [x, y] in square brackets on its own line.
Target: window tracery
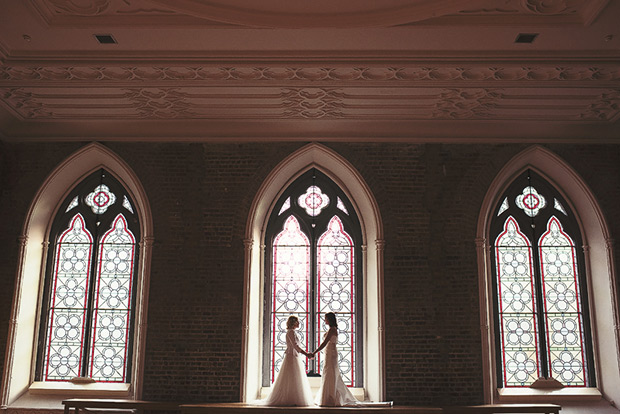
[88, 307]
[541, 312]
[313, 245]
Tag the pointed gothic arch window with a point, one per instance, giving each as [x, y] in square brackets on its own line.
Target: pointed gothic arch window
[87, 312]
[542, 323]
[313, 266]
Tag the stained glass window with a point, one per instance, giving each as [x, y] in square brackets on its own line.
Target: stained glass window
[127, 204]
[336, 291]
[88, 302]
[504, 206]
[542, 324]
[558, 206]
[313, 250]
[291, 279]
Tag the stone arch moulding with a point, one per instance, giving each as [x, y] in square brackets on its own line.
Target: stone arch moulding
[599, 265]
[350, 181]
[19, 360]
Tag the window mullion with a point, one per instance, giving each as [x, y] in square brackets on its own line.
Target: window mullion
[540, 311]
[314, 299]
[90, 308]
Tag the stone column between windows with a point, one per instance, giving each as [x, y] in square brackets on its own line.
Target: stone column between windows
[483, 253]
[22, 240]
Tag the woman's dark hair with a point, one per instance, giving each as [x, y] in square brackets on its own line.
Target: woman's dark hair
[331, 319]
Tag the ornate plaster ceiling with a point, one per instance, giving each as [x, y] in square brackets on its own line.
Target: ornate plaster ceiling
[425, 70]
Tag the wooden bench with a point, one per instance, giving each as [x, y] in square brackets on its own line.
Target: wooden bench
[505, 408]
[241, 408]
[136, 405]
[139, 406]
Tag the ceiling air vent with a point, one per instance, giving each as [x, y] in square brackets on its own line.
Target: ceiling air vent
[526, 37]
[105, 39]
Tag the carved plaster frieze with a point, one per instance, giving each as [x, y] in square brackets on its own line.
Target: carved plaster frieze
[92, 13]
[73, 12]
[466, 104]
[549, 7]
[161, 103]
[605, 108]
[88, 8]
[536, 11]
[324, 74]
[93, 8]
[313, 103]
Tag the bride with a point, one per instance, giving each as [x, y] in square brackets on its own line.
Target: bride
[333, 391]
[291, 387]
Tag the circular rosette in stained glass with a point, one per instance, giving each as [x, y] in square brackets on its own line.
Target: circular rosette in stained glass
[521, 367]
[100, 199]
[313, 201]
[108, 364]
[530, 201]
[568, 367]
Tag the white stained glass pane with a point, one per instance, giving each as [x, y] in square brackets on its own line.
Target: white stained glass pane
[290, 284]
[285, 206]
[336, 265]
[563, 313]
[530, 201]
[516, 301]
[66, 318]
[503, 207]
[313, 201]
[341, 206]
[100, 199]
[72, 204]
[110, 327]
[559, 207]
[127, 204]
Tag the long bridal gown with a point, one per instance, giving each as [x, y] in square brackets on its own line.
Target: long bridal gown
[291, 387]
[333, 391]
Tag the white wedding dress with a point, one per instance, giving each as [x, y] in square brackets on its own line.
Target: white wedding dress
[333, 391]
[291, 387]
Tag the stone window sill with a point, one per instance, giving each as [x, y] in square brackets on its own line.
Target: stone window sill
[520, 395]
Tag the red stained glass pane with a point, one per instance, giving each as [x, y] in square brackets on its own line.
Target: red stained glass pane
[517, 307]
[563, 313]
[336, 292]
[290, 287]
[111, 316]
[67, 312]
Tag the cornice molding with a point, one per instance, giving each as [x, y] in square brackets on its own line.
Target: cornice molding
[564, 72]
[4, 54]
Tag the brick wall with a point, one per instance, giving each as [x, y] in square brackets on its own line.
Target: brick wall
[200, 194]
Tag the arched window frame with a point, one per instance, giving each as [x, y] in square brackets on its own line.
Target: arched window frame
[97, 223]
[314, 227]
[350, 181]
[532, 227]
[601, 279]
[20, 362]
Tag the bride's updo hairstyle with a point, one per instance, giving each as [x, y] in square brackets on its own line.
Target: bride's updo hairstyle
[331, 319]
[291, 321]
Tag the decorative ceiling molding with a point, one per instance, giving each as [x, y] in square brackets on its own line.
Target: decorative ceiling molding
[530, 12]
[225, 74]
[69, 13]
[352, 69]
[362, 103]
[363, 13]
